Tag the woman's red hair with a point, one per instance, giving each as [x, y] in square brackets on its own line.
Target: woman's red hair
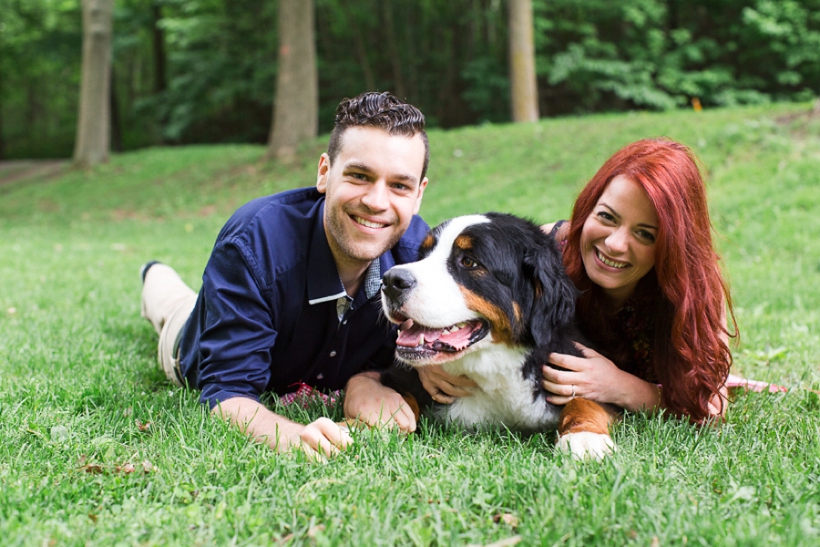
[690, 355]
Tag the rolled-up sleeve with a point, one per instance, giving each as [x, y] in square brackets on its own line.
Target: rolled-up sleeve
[238, 331]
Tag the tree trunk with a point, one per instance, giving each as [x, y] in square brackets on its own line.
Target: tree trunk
[393, 52]
[116, 127]
[94, 123]
[523, 87]
[2, 142]
[159, 50]
[296, 104]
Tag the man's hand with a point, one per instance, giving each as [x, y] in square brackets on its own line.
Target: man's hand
[444, 387]
[319, 439]
[366, 399]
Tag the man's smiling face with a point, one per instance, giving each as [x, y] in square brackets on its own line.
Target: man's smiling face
[373, 189]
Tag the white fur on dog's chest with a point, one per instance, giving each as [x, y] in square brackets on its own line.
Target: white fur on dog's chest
[503, 396]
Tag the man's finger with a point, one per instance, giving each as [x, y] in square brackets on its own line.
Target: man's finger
[407, 419]
[333, 433]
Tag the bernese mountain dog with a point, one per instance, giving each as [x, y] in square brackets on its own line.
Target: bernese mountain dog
[489, 299]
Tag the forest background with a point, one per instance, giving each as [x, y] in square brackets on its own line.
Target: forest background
[204, 71]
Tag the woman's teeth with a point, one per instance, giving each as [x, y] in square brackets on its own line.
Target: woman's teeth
[609, 262]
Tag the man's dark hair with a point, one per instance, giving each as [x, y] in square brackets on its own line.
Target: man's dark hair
[382, 110]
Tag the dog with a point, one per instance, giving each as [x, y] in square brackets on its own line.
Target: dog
[489, 299]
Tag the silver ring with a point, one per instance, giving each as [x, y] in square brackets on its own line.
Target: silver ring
[573, 392]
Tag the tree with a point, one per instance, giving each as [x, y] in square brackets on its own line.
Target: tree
[523, 88]
[94, 124]
[296, 104]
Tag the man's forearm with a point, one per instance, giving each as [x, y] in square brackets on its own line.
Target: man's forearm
[259, 423]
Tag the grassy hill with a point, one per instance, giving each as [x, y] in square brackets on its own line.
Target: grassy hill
[78, 378]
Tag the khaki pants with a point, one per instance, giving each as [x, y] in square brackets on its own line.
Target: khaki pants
[167, 302]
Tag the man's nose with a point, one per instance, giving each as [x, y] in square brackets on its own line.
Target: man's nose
[376, 198]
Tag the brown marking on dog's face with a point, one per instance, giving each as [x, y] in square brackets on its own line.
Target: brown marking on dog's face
[500, 326]
[464, 242]
[583, 415]
[428, 242]
[519, 317]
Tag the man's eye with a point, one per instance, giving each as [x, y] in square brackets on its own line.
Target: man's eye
[468, 263]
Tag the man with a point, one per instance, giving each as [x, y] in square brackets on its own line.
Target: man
[290, 294]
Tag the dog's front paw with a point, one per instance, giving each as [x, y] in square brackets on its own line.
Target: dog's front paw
[586, 444]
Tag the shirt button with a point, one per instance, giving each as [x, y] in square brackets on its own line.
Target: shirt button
[333, 353]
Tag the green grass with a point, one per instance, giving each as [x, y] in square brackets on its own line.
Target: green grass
[78, 374]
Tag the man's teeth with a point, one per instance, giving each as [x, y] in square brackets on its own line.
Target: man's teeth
[611, 263]
[367, 223]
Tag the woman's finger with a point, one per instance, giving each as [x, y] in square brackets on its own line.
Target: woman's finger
[569, 362]
[559, 376]
[588, 353]
[561, 390]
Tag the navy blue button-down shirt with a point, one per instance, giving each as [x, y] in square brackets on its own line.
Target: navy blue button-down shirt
[266, 315]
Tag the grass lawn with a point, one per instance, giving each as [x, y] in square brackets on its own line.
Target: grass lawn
[97, 449]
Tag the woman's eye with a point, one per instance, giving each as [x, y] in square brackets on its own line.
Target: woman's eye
[646, 236]
[469, 263]
[603, 215]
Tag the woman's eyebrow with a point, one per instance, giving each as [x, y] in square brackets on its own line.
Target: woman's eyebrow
[618, 216]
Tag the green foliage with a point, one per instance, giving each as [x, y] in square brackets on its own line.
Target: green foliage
[447, 57]
[98, 449]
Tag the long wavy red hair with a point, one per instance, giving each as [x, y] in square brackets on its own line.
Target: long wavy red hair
[685, 291]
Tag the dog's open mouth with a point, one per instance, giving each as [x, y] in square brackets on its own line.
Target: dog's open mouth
[417, 342]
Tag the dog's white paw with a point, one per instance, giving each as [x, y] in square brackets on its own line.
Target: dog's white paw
[586, 444]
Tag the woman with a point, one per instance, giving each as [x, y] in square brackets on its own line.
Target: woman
[652, 298]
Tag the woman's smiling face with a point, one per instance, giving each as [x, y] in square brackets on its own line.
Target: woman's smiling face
[618, 239]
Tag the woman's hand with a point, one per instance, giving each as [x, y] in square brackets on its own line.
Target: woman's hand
[444, 387]
[596, 378]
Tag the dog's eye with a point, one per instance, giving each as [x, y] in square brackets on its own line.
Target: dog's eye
[469, 263]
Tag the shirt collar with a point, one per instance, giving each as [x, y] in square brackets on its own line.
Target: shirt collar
[323, 279]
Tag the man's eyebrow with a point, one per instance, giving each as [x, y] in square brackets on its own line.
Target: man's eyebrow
[618, 216]
[364, 168]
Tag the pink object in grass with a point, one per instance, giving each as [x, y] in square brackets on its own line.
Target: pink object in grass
[753, 385]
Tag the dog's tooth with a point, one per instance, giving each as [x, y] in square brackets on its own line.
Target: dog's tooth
[421, 340]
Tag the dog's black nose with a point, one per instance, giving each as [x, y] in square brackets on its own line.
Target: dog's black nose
[396, 282]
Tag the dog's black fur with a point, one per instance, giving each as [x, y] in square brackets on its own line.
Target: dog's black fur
[518, 265]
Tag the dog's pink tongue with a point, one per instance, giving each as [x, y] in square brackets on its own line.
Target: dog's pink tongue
[410, 334]
[459, 339]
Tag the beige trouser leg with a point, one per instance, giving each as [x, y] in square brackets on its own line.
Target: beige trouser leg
[167, 303]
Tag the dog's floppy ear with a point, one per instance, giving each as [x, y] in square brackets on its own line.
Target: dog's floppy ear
[553, 305]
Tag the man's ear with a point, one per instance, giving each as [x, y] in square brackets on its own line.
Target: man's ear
[420, 195]
[322, 173]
